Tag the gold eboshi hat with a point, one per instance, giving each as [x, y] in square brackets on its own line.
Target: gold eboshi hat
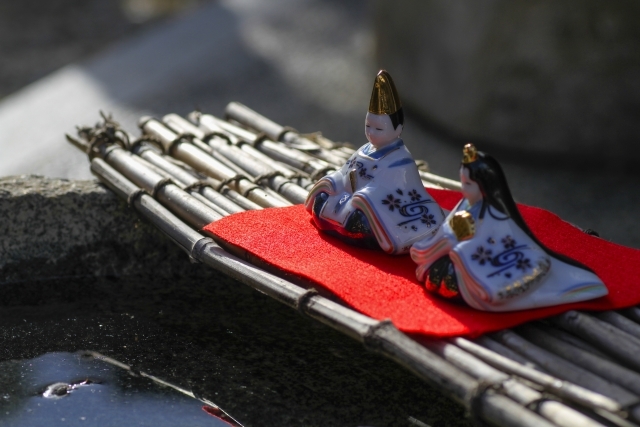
[469, 154]
[384, 97]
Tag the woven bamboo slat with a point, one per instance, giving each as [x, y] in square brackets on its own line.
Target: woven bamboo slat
[565, 371]
[553, 411]
[632, 313]
[604, 368]
[181, 176]
[620, 322]
[573, 340]
[185, 151]
[498, 348]
[550, 384]
[251, 119]
[611, 340]
[216, 134]
[273, 177]
[302, 161]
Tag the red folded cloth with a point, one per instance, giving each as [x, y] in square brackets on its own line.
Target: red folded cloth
[385, 287]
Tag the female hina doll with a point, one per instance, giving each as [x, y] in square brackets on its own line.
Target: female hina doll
[377, 199]
[485, 253]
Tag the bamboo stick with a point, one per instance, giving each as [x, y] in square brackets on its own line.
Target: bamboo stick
[183, 173]
[440, 181]
[624, 346]
[620, 322]
[249, 118]
[556, 412]
[237, 169]
[188, 153]
[216, 134]
[573, 340]
[500, 349]
[549, 383]
[193, 211]
[192, 192]
[276, 150]
[604, 368]
[184, 236]
[566, 370]
[276, 180]
[632, 313]
[185, 178]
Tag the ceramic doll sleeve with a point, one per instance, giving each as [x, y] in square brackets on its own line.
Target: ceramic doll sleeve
[361, 202]
[427, 251]
[499, 265]
[324, 185]
[330, 184]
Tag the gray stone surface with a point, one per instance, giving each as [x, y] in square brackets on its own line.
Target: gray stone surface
[52, 228]
[546, 78]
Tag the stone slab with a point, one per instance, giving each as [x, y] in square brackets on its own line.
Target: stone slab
[53, 228]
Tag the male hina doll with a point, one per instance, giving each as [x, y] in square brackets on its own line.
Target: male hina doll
[376, 199]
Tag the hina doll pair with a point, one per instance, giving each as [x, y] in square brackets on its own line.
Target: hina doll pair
[481, 252]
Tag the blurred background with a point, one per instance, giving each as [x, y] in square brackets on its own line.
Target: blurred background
[552, 89]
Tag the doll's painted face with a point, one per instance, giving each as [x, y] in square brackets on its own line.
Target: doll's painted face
[470, 189]
[379, 130]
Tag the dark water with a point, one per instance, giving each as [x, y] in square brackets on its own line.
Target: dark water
[77, 389]
[261, 362]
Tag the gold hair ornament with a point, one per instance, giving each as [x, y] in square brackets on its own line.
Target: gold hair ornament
[469, 154]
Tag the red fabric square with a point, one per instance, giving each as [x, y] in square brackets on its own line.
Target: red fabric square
[384, 287]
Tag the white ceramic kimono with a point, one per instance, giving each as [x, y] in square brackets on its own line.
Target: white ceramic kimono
[501, 268]
[385, 185]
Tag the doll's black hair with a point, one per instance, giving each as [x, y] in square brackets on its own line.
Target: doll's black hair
[397, 118]
[488, 174]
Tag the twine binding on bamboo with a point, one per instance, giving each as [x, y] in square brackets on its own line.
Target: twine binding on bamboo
[160, 184]
[286, 130]
[107, 133]
[197, 186]
[228, 181]
[422, 165]
[266, 176]
[302, 301]
[321, 172]
[371, 339]
[150, 139]
[133, 196]
[258, 139]
[195, 255]
[474, 400]
[209, 135]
